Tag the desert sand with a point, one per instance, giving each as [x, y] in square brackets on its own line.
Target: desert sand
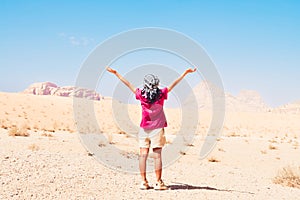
[50, 162]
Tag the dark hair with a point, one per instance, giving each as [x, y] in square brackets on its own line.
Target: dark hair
[152, 95]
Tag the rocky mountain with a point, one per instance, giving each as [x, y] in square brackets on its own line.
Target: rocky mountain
[292, 108]
[252, 100]
[48, 88]
[245, 101]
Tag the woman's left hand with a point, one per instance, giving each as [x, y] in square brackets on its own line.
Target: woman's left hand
[190, 70]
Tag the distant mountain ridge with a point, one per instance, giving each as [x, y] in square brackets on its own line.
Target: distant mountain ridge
[293, 108]
[245, 101]
[48, 88]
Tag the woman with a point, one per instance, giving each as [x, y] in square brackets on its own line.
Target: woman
[153, 121]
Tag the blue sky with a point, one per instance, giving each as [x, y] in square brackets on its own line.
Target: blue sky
[254, 44]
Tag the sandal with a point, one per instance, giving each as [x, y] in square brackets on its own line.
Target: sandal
[144, 185]
[160, 186]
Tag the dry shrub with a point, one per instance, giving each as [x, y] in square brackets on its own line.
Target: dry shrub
[121, 132]
[25, 126]
[263, 151]
[101, 144]
[33, 147]
[36, 126]
[70, 130]
[90, 154]
[110, 138]
[189, 144]
[51, 130]
[273, 141]
[233, 134]
[3, 124]
[271, 147]
[286, 135]
[288, 176]
[15, 131]
[47, 134]
[213, 159]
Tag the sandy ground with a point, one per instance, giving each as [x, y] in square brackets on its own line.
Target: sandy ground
[52, 163]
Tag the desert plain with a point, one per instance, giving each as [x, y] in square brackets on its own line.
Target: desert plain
[42, 155]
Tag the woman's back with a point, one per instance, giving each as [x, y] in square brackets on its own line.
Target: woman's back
[153, 115]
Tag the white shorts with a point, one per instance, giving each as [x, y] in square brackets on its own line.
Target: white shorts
[154, 138]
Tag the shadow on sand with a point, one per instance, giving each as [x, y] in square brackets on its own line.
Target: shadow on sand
[183, 186]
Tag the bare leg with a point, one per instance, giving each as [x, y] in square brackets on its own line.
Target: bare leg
[157, 163]
[142, 162]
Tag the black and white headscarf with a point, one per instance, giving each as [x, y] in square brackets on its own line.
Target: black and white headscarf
[151, 91]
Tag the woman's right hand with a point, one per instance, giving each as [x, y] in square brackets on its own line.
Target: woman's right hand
[111, 70]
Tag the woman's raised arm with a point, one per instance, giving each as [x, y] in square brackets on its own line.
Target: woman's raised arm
[190, 70]
[127, 83]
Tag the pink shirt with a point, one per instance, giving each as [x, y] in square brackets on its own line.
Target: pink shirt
[153, 115]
